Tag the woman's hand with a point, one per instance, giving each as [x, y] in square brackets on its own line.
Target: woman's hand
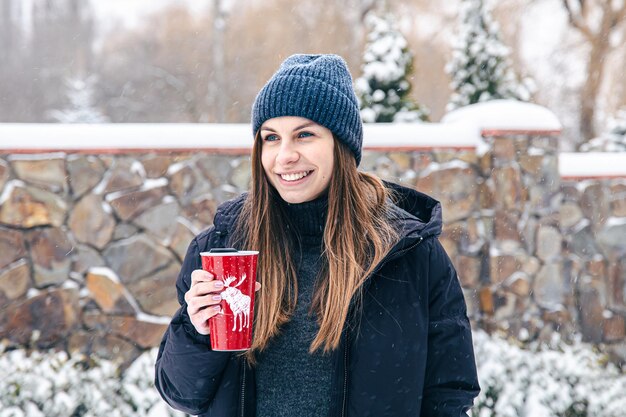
[203, 299]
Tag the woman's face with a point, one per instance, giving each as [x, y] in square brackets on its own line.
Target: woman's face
[297, 156]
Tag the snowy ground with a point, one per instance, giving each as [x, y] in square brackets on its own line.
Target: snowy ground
[536, 381]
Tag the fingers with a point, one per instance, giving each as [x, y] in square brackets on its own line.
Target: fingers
[200, 275]
[200, 320]
[198, 303]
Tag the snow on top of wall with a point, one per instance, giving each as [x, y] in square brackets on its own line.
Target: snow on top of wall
[505, 115]
[188, 136]
[592, 164]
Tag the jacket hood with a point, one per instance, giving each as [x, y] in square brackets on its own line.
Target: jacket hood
[417, 214]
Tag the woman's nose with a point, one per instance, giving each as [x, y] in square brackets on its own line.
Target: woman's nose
[287, 153]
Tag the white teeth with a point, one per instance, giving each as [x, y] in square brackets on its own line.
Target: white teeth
[294, 177]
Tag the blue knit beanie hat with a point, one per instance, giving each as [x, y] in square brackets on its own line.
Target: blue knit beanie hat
[316, 87]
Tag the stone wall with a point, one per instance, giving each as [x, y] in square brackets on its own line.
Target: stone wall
[90, 245]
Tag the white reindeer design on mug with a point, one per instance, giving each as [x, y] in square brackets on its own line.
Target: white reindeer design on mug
[238, 302]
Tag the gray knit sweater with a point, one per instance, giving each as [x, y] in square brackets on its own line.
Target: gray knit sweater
[290, 381]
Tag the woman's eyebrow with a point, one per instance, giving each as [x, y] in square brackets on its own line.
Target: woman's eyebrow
[308, 124]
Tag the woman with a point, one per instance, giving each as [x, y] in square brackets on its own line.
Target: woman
[360, 313]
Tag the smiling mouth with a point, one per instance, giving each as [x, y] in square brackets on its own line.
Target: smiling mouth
[294, 176]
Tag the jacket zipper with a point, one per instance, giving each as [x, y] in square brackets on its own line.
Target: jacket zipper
[345, 358]
[243, 388]
[345, 379]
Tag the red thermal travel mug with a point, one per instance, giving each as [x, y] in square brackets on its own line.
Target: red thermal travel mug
[231, 328]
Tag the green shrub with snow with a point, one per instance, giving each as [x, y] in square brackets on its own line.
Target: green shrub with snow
[532, 381]
[55, 385]
[384, 87]
[540, 381]
[480, 67]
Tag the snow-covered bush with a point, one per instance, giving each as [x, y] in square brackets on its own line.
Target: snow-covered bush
[536, 380]
[479, 67]
[613, 140]
[383, 88]
[80, 109]
[55, 385]
[540, 381]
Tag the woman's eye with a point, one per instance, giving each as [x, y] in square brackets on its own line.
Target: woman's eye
[271, 138]
[304, 134]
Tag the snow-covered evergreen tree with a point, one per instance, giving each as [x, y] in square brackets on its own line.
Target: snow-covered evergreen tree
[384, 87]
[479, 67]
[80, 109]
[613, 140]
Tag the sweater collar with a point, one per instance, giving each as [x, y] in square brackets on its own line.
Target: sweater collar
[308, 219]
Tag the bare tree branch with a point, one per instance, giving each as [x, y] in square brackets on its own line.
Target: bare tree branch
[577, 20]
[619, 15]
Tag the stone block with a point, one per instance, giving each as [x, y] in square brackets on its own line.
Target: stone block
[156, 166]
[45, 320]
[136, 257]
[108, 292]
[12, 246]
[548, 243]
[591, 309]
[92, 222]
[506, 227]
[548, 287]
[156, 294]
[468, 268]
[85, 257]
[85, 172]
[129, 205]
[50, 253]
[48, 173]
[158, 220]
[124, 231]
[105, 346]
[15, 279]
[594, 204]
[124, 175]
[502, 266]
[5, 173]
[519, 284]
[486, 301]
[241, 176]
[582, 242]
[508, 188]
[503, 150]
[614, 329]
[611, 239]
[181, 238]
[200, 212]
[570, 215]
[455, 187]
[618, 199]
[27, 206]
[144, 334]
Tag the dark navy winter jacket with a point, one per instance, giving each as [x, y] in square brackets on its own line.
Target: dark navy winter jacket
[409, 353]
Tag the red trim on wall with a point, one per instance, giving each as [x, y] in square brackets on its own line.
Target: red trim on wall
[512, 132]
[219, 151]
[417, 148]
[593, 177]
[118, 151]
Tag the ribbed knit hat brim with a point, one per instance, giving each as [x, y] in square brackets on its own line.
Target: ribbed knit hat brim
[316, 87]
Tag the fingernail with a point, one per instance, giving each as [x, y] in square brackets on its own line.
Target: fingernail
[217, 297]
[219, 284]
[216, 308]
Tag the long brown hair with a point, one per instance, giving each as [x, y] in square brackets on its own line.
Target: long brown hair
[357, 236]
